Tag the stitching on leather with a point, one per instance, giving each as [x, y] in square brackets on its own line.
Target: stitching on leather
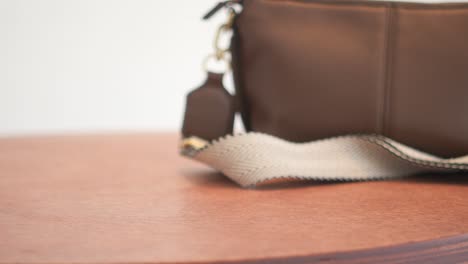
[383, 75]
[390, 53]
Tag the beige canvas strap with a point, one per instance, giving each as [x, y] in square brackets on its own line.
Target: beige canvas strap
[252, 158]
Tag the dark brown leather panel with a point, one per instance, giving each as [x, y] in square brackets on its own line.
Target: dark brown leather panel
[429, 95]
[306, 70]
[314, 70]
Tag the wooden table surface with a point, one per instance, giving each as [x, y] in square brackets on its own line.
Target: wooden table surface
[132, 199]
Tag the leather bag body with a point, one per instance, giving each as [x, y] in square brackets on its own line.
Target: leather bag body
[306, 70]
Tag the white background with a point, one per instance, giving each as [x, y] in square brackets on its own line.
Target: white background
[85, 66]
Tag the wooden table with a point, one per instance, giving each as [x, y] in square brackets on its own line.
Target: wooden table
[132, 199]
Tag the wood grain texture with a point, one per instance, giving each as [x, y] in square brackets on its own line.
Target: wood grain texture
[132, 199]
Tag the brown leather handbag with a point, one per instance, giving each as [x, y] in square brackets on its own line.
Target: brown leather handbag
[337, 89]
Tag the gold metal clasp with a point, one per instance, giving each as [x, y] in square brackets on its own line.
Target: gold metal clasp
[221, 54]
[192, 145]
[223, 29]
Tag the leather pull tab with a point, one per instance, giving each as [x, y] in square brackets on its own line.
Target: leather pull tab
[210, 110]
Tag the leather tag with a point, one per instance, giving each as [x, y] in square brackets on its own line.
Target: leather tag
[209, 112]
